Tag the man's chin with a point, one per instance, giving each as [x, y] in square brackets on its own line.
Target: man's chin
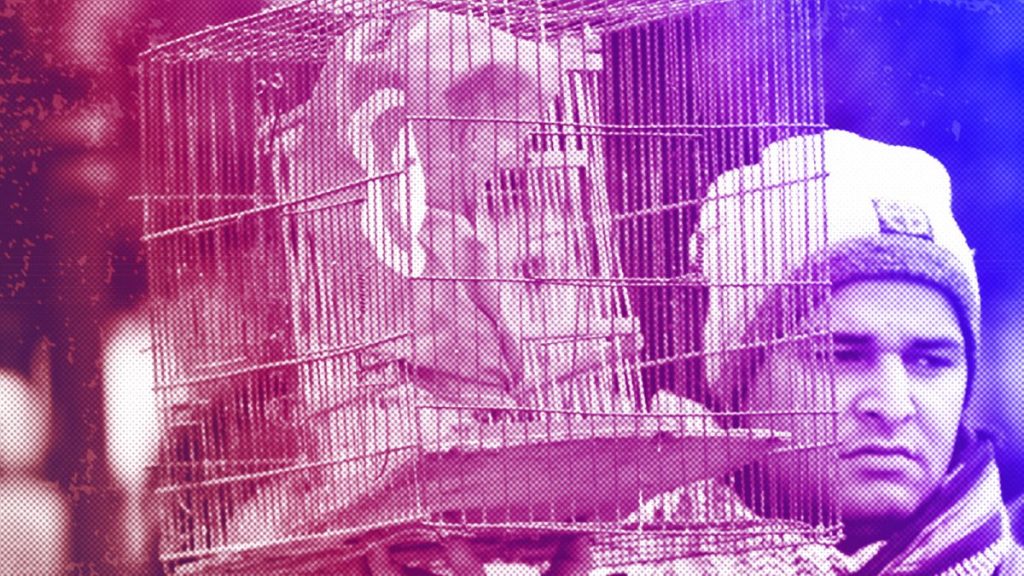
[882, 488]
[878, 503]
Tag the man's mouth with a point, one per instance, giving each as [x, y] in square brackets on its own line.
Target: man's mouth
[878, 450]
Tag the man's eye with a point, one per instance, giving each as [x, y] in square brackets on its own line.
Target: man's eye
[929, 361]
[848, 355]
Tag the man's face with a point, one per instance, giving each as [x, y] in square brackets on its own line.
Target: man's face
[900, 380]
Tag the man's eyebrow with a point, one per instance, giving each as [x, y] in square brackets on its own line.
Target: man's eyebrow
[851, 339]
[949, 344]
[940, 343]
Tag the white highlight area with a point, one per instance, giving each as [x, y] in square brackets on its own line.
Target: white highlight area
[132, 422]
[130, 403]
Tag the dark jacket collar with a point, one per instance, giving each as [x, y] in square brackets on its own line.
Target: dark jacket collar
[968, 529]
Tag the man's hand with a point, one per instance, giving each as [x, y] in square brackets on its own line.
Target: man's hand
[458, 555]
[572, 558]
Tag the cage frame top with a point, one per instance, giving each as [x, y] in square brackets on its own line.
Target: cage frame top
[543, 20]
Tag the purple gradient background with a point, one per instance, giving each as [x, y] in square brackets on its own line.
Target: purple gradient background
[945, 76]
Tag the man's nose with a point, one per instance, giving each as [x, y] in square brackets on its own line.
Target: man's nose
[886, 396]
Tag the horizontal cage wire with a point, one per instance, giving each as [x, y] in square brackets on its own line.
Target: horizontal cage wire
[434, 268]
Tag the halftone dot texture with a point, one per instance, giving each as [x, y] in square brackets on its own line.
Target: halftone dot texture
[418, 270]
[889, 215]
[34, 516]
[26, 425]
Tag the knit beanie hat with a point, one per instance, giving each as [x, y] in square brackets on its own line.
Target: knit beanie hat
[816, 212]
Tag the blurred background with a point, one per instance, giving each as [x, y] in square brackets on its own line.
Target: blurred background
[946, 76]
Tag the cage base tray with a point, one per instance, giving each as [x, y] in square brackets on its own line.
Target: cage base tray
[596, 470]
[491, 482]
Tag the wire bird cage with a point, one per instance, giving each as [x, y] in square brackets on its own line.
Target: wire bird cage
[420, 267]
